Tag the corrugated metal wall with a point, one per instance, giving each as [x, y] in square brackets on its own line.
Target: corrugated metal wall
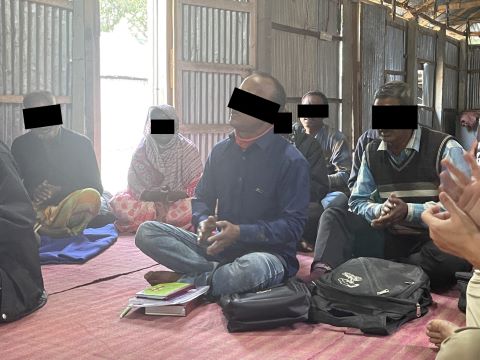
[35, 54]
[451, 53]
[426, 45]
[211, 36]
[450, 84]
[473, 87]
[209, 94]
[395, 50]
[215, 35]
[302, 62]
[373, 32]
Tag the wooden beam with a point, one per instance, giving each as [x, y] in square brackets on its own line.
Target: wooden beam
[18, 99]
[412, 75]
[204, 128]
[459, 5]
[223, 4]
[316, 34]
[462, 75]
[425, 6]
[64, 4]
[215, 67]
[437, 23]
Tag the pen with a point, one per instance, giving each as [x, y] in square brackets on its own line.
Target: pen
[126, 311]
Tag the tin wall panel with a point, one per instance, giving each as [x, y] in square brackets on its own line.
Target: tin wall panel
[294, 65]
[395, 49]
[206, 95]
[451, 54]
[373, 60]
[35, 54]
[214, 35]
[206, 142]
[425, 117]
[426, 45]
[317, 15]
[473, 81]
[450, 89]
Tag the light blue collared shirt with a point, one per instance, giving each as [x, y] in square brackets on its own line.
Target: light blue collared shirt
[365, 198]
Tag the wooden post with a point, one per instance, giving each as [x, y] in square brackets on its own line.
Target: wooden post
[462, 76]
[86, 71]
[349, 38]
[438, 121]
[78, 73]
[264, 35]
[356, 76]
[412, 75]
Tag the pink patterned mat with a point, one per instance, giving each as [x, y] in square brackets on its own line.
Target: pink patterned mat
[83, 323]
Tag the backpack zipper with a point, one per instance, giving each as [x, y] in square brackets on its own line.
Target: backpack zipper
[419, 310]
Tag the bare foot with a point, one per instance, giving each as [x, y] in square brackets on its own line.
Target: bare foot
[439, 330]
[159, 277]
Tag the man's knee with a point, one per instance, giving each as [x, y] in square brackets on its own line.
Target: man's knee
[440, 266]
[147, 234]
[250, 272]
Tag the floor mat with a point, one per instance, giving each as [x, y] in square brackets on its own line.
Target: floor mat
[122, 257]
[84, 323]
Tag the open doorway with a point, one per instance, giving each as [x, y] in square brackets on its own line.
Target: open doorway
[126, 70]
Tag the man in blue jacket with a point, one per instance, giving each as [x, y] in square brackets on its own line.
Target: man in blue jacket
[258, 184]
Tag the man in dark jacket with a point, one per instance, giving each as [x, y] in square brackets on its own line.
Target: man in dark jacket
[60, 172]
[21, 283]
[319, 183]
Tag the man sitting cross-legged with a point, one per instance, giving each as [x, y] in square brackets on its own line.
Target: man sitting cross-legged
[261, 184]
[397, 180]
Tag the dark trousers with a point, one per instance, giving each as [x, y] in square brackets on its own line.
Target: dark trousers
[315, 211]
[343, 235]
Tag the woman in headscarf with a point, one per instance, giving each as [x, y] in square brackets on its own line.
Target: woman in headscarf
[163, 174]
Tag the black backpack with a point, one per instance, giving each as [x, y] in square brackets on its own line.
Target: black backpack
[373, 295]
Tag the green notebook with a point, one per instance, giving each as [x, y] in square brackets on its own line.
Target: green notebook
[164, 291]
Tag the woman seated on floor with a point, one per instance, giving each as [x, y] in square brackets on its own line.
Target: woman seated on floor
[163, 174]
[60, 172]
[21, 283]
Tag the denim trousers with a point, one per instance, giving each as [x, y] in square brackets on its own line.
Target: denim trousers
[178, 250]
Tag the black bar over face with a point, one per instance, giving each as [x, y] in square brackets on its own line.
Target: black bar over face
[312, 110]
[395, 117]
[42, 116]
[253, 105]
[162, 126]
[282, 123]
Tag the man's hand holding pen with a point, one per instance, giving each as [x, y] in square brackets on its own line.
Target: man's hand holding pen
[217, 242]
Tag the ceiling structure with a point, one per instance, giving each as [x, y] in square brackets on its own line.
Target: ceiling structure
[460, 17]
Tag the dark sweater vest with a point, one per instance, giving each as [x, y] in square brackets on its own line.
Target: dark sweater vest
[417, 179]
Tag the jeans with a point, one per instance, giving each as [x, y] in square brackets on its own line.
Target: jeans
[178, 250]
[334, 199]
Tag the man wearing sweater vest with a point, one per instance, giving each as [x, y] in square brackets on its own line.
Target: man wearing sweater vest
[398, 179]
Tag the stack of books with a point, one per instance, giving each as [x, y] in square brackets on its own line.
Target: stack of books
[172, 299]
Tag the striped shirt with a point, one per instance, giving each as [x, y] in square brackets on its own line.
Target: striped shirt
[365, 198]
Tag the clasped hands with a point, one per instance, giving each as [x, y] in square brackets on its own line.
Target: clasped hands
[44, 192]
[216, 242]
[393, 211]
